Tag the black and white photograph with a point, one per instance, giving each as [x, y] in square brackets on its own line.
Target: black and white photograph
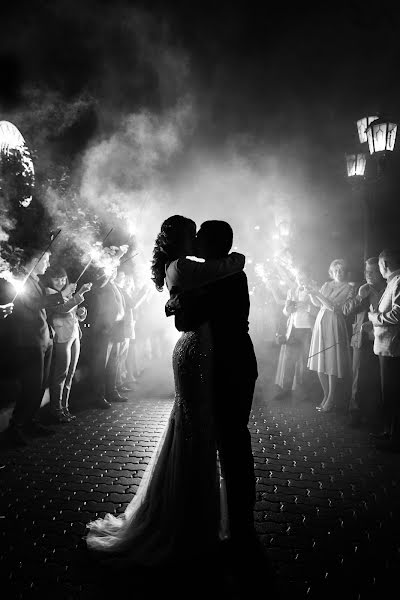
[199, 300]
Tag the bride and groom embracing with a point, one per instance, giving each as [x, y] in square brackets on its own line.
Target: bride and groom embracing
[177, 511]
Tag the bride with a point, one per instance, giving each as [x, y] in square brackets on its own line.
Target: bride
[180, 488]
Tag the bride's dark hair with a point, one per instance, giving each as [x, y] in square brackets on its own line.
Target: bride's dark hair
[168, 246]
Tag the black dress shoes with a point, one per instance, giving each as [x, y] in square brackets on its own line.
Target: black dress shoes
[116, 397]
[102, 403]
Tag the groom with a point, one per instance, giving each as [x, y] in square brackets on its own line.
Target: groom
[235, 374]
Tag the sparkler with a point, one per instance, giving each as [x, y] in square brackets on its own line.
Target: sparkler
[130, 258]
[21, 284]
[93, 256]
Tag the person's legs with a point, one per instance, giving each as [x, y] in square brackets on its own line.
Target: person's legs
[354, 404]
[101, 347]
[111, 372]
[390, 372]
[235, 451]
[303, 336]
[75, 350]
[330, 400]
[121, 366]
[386, 404]
[131, 366]
[31, 380]
[61, 361]
[324, 381]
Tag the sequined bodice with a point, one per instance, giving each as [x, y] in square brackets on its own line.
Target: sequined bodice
[192, 364]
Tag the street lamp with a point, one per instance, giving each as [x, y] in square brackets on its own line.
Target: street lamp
[356, 163]
[362, 125]
[381, 135]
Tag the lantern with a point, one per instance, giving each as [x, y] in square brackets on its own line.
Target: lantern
[356, 164]
[362, 125]
[381, 135]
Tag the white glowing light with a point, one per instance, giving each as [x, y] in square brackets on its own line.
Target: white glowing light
[195, 259]
[26, 202]
[249, 261]
[362, 125]
[257, 227]
[17, 284]
[13, 143]
[10, 137]
[131, 228]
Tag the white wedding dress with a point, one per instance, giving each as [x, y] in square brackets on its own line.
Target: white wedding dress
[179, 510]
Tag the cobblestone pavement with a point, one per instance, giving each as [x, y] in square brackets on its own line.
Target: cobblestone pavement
[327, 507]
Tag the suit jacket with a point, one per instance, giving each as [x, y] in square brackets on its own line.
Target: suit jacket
[109, 312]
[386, 320]
[225, 305]
[30, 317]
[63, 318]
[358, 308]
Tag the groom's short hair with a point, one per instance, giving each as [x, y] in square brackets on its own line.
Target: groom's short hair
[218, 237]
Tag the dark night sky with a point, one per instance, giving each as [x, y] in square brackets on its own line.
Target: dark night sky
[296, 77]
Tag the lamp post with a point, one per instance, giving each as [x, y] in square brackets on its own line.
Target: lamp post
[356, 164]
[380, 134]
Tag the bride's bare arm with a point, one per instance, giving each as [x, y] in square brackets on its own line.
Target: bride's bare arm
[188, 274]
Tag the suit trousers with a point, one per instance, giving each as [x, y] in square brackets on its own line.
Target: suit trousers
[366, 386]
[234, 398]
[34, 368]
[105, 352]
[65, 360]
[390, 368]
[122, 368]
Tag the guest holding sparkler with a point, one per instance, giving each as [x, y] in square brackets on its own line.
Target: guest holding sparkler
[365, 402]
[125, 377]
[107, 335]
[34, 346]
[64, 319]
[386, 322]
[291, 371]
[330, 348]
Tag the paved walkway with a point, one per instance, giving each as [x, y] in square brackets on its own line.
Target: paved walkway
[327, 508]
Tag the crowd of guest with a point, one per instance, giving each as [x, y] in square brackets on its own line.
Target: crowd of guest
[347, 334]
[44, 338]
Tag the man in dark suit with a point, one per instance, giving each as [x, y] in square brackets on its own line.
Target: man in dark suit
[225, 305]
[33, 341]
[235, 374]
[365, 402]
[107, 334]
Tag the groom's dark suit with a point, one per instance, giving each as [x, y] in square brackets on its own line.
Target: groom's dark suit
[235, 374]
[225, 305]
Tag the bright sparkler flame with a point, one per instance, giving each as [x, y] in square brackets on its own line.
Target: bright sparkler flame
[107, 259]
[18, 284]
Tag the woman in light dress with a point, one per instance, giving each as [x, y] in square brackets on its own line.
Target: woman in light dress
[176, 512]
[64, 319]
[330, 347]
